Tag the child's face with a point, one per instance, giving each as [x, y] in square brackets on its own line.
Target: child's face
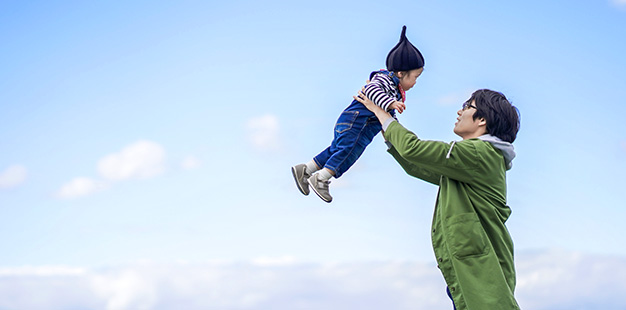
[408, 79]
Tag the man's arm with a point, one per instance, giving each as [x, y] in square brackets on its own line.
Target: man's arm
[455, 161]
[459, 161]
[385, 119]
[413, 169]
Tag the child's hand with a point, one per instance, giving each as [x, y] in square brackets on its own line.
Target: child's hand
[398, 105]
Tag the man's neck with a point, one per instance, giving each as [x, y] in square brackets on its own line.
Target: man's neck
[475, 134]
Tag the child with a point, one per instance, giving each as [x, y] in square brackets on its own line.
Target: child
[357, 126]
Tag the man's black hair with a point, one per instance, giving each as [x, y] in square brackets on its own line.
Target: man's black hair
[503, 119]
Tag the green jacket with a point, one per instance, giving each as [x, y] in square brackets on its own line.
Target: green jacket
[472, 245]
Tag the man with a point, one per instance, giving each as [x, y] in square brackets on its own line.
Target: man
[471, 242]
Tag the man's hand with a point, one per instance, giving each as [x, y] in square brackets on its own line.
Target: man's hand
[378, 111]
[398, 105]
[369, 104]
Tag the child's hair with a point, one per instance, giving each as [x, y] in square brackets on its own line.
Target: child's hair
[503, 119]
[404, 72]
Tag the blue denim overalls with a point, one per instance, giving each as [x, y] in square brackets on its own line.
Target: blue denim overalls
[354, 131]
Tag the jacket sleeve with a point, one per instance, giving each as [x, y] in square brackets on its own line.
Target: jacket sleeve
[375, 90]
[415, 170]
[457, 161]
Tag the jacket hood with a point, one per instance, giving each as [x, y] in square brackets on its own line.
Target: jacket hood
[505, 147]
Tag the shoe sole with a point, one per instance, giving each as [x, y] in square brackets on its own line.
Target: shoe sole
[295, 177]
[318, 195]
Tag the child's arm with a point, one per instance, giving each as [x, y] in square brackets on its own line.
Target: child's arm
[375, 90]
[398, 105]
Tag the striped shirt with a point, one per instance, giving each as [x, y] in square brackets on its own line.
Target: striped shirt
[382, 90]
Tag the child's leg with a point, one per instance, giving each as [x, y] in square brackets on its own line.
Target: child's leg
[346, 148]
[311, 167]
[348, 121]
[350, 145]
[325, 174]
[302, 172]
[321, 158]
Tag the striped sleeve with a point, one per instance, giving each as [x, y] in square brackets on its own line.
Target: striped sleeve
[377, 90]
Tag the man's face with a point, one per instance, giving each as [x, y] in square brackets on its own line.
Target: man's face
[466, 127]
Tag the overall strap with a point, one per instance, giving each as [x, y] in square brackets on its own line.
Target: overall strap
[401, 95]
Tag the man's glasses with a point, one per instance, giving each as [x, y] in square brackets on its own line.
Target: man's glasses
[468, 105]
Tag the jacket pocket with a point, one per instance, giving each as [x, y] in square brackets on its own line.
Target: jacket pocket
[466, 236]
[346, 121]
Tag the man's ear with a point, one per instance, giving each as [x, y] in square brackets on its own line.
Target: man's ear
[482, 122]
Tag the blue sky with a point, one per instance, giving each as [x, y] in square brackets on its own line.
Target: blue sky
[163, 132]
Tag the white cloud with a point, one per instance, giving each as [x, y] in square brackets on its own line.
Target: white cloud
[546, 280]
[12, 176]
[190, 163]
[142, 159]
[263, 132]
[233, 286]
[80, 186]
[566, 280]
[125, 289]
[266, 261]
